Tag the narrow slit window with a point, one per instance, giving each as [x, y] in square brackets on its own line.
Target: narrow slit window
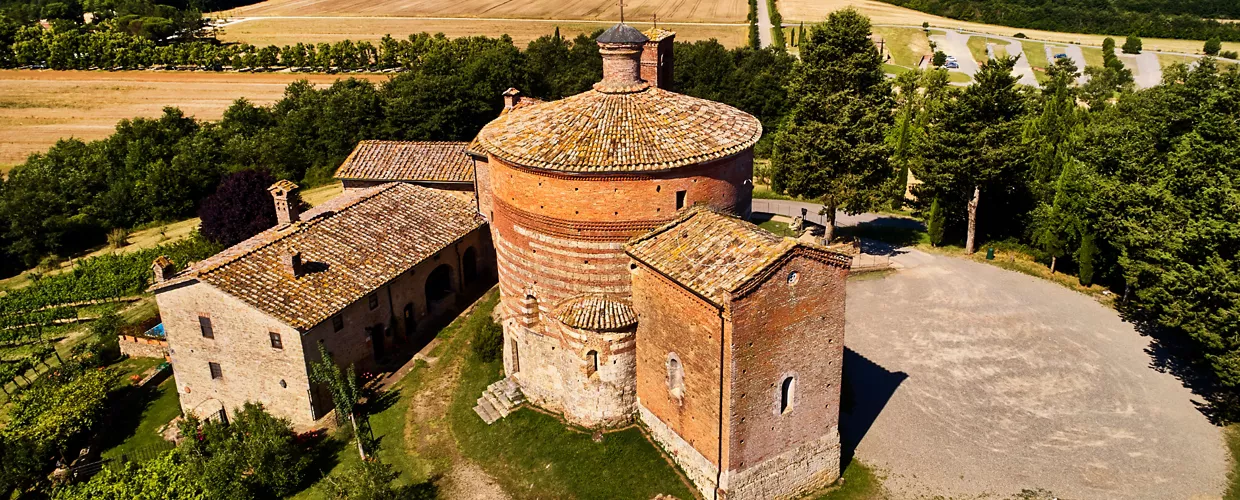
[276, 341]
[216, 372]
[786, 393]
[675, 377]
[680, 199]
[591, 363]
[204, 324]
[338, 322]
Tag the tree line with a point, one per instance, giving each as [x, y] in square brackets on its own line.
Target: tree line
[1134, 191]
[1191, 19]
[160, 169]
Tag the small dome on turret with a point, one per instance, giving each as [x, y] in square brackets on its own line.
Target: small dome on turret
[622, 33]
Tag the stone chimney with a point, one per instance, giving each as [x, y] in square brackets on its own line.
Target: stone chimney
[621, 48]
[286, 213]
[512, 97]
[657, 59]
[290, 261]
[163, 268]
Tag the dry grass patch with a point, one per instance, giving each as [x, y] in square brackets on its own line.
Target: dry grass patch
[288, 31]
[41, 107]
[727, 11]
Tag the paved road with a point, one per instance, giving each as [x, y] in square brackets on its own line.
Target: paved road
[955, 44]
[764, 24]
[998, 382]
[1148, 70]
[794, 209]
[1023, 69]
[1077, 55]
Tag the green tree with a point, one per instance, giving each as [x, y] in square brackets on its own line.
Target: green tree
[1055, 129]
[367, 480]
[831, 147]
[165, 477]
[936, 224]
[1212, 46]
[976, 144]
[1085, 256]
[940, 58]
[256, 455]
[1132, 45]
[1108, 46]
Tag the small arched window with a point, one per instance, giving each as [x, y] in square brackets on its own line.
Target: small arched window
[786, 393]
[675, 377]
[591, 363]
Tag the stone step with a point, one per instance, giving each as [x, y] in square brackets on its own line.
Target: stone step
[494, 402]
[504, 400]
[487, 413]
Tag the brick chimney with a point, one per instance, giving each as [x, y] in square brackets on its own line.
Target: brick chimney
[286, 213]
[511, 98]
[163, 268]
[290, 261]
[657, 59]
[621, 48]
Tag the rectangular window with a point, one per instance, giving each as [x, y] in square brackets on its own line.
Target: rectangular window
[276, 342]
[680, 199]
[373, 301]
[215, 370]
[204, 324]
[338, 322]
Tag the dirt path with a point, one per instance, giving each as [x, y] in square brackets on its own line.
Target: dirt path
[429, 433]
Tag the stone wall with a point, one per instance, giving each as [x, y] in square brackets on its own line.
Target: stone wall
[251, 369]
[143, 347]
[552, 371]
[255, 371]
[800, 470]
[700, 470]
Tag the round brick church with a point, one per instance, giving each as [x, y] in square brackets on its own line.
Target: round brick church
[571, 182]
[628, 276]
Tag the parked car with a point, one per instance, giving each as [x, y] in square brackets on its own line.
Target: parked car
[951, 65]
[1061, 55]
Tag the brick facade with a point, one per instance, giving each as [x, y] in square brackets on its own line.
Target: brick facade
[252, 370]
[735, 359]
[143, 347]
[561, 235]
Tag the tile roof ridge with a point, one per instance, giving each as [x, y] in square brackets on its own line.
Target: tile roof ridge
[314, 217]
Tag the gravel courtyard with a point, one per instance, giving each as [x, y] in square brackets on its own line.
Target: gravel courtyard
[970, 381]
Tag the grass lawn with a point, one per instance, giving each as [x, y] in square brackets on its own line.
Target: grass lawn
[1035, 53]
[1166, 60]
[893, 69]
[958, 77]
[779, 228]
[534, 455]
[142, 441]
[1232, 435]
[906, 45]
[1093, 56]
[859, 483]
[977, 47]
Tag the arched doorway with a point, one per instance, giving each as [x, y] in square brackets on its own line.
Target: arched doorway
[411, 325]
[438, 289]
[469, 266]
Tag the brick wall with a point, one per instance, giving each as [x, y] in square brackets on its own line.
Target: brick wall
[671, 320]
[780, 330]
[482, 186]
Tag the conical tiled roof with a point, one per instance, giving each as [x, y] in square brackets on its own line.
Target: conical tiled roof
[597, 132]
[622, 33]
[597, 312]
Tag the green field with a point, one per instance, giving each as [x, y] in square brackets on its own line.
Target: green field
[1035, 53]
[907, 46]
[1093, 56]
[977, 47]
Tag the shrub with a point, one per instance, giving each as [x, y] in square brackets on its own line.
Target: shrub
[1085, 259]
[118, 238]
[1132, 45]
[489, 343]
[1019, 35]
[925, 25]
[1213, 46]
[940, 58]
[1229, 54]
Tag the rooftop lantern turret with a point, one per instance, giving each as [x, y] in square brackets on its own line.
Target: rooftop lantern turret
[621, 48]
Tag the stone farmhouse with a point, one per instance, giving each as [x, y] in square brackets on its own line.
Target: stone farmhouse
[631, 286]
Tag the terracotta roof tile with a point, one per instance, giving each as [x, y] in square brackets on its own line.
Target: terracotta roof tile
[350, 246]
[647, 130]
[709, 252]
[597, 312]
[408, 161]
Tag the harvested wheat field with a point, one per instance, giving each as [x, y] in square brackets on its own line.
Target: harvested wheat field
[37, 108]
[290, 30]
[727, 11]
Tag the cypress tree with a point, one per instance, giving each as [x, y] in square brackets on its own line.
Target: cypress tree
[1085, 259]
[938, 219]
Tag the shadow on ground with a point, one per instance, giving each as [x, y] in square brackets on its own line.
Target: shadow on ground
[866, 389]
